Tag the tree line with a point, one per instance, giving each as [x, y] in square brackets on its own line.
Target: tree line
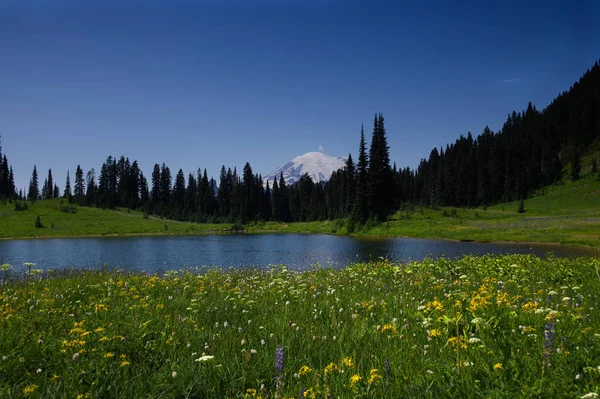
[532, 150]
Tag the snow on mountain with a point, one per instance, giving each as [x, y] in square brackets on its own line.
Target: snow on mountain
[318, 166]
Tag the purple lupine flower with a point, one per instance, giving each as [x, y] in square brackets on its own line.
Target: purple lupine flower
[279, 361]
[549, 333]
[386, 365]
[301, 396]
[279, 356]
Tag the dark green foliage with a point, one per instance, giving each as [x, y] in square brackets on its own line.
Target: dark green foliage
[68, 208]
[79, 189]
[594, 166]
[521, 208]
[360, 210]
[575, 164]
[7, 178]
[38, 222]
[21, 206]
[528, 153]
[380, 181]
[67, 193]
[33, 192]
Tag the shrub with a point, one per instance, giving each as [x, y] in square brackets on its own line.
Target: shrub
[38, 222]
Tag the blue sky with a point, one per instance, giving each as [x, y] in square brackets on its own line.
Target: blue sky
[210, 83]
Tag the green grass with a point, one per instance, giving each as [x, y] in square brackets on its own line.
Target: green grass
[89, 222]
[566, 214]
[494, 327]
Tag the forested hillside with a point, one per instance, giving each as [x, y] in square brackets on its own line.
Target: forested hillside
[533, 149]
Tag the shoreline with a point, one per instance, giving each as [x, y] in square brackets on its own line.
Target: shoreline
[220, 232]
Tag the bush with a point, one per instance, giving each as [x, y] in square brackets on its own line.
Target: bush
[68, 208]
[521, 208]
[21, 206]
[38, 222]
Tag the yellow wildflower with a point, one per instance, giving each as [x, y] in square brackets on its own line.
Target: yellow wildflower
[354, 380]
[434, 305]
[104, 339]
[374, 376]
[304, 370]
[498, 366]
[310, 393]
[54, 378]
[435, 333]
[109, 355]
[29, 389]
[388, 328]
[100, 307]
[125, 363]
[330, 368]
[347, 362]
[122, 356]
[99, 330]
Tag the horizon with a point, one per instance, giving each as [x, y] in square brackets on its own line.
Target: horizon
[202, 86]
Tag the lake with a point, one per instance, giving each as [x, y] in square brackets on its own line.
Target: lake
[298, 251]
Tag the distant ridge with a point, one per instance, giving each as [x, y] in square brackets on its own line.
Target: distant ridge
[318, 166]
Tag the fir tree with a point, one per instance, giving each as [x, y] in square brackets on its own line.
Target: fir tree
[380, 179]
[350, 185]
[360, 210]
[67, 193]
[575, 164]
[79, 189]
[49, 186]
[33, 192]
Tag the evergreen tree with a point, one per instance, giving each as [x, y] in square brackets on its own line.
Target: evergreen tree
[79, 190]
[33, 192]
[360, 210]
[165, 185]
[91, 191]
[67, 193]
[56, 191]
[284, 198]
[179, 190]
[350, 185]
[155, 193]
[144, 191]
[267, 206]
[275, 201]
[248, 202]
[380, 179]
[12, 189]
[49, 186]
[575, 164]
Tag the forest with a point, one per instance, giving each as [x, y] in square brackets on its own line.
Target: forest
[533, 149]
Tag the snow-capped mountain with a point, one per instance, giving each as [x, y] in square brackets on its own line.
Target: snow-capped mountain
[318, 166]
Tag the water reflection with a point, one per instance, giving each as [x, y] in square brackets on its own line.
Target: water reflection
[299, 251]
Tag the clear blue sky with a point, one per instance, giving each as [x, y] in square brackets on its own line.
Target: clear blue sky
[202, 84]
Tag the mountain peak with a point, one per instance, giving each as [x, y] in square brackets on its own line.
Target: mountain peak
[318, 166]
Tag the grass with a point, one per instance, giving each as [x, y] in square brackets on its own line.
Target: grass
[566, 214]
[497, 327]
[89, 222]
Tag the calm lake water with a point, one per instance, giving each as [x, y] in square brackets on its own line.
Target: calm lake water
[298, 251]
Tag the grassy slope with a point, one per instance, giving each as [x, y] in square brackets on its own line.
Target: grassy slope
[87, 222]
[567, 214]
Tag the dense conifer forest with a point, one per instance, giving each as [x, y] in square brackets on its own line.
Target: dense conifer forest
[533, 149]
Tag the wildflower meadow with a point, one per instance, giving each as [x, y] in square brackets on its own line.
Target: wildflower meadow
[492, 326]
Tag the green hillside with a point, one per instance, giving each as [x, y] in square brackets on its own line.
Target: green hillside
[567, 214]
[87, 222]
